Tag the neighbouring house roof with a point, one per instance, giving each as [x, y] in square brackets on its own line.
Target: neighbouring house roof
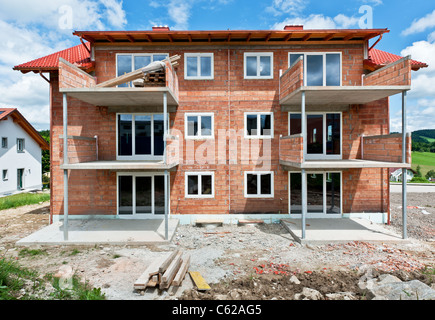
[378, 59]
[78, 55]
[398, 171]
[19, 119]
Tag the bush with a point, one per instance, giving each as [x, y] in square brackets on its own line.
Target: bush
[418, 179]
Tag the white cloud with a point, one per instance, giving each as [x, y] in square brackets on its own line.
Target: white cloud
[373, 2]
[419, 25]
[292, 7]
[319, 21]
[80, 14]
[179, 12]
[33, 29]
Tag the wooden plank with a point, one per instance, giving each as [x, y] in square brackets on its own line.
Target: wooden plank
[171, 271]
[154, 281]
[199, 281]
[151, 270]
[168, 261]
[182, 271]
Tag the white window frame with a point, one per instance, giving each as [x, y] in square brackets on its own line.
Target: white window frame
[198, 174]
[322, 214]
[323, 155]
[324, 64]
[198, 56]
[23, 144]
[5, 145]
[258, 55]
[258, 195]
[134, 214]
[258, 135]
[136, 55]
[5, 175]
[133, 134]
[199, 115]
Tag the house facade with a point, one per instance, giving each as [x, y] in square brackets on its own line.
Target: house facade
[20, 153]
[244, 124]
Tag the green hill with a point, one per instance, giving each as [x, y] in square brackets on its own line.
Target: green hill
[426, 161]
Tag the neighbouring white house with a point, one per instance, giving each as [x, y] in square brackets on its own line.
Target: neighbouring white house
[20, 153]
[396, 174]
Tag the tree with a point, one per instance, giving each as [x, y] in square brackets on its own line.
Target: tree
[430, 174]
[45, 153]
[418, 173]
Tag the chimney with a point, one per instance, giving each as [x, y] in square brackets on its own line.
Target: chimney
[160, 28]
[294, 28]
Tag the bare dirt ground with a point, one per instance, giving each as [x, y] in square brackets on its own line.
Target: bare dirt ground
[239, 262]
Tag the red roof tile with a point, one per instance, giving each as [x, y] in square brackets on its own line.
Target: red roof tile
[77, 55]
[381, 58]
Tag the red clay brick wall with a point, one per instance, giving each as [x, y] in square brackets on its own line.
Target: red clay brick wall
[370, 119]
[398, 73]
[90, 191]
[72, 77]
[292, 79]
[365, 190]
[291, 149]
[79, 150]
[386, 148]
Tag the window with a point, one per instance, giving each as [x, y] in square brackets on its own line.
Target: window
[320, 69]
[199, 184]
[5, 175]
[4, 142]
[126, 63]
[323, 137]
[258, 65]
[20, 145]
[258, 184]
[199, 125]
[198, 66]
[140, 136]
[258, 125]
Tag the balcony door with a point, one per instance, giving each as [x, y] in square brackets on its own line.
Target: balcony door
[141, 195]
[323, 136]
[140, 137]
[323, 194]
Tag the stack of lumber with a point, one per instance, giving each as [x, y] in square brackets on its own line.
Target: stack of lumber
[139, 74]
[166, 272]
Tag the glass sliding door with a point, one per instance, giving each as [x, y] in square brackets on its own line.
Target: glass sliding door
[315, 192]
[141, 194]
[143, 197]
[314, 134]
[125, 195]
[323, 136]
[323, 194]
[140, 136]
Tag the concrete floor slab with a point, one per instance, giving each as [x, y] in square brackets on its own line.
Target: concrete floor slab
[110, 231]
[339, 230]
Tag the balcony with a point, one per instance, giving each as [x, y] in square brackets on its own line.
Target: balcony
[78, 84]
[390, 80]
[384, 151]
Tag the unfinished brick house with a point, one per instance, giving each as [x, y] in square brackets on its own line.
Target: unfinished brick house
[246, 124]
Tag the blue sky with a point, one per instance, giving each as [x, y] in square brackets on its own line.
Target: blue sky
[31, 29]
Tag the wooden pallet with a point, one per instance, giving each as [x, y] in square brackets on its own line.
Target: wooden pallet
[164, 273]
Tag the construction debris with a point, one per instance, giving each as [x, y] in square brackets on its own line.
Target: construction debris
[199, 281]
[152, 73]
[164, 273]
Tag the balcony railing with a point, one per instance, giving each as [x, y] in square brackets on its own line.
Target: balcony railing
[390, 80]
[383, 151]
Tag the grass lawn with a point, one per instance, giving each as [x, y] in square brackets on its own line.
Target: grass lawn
[23, 199]
[426, 160]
